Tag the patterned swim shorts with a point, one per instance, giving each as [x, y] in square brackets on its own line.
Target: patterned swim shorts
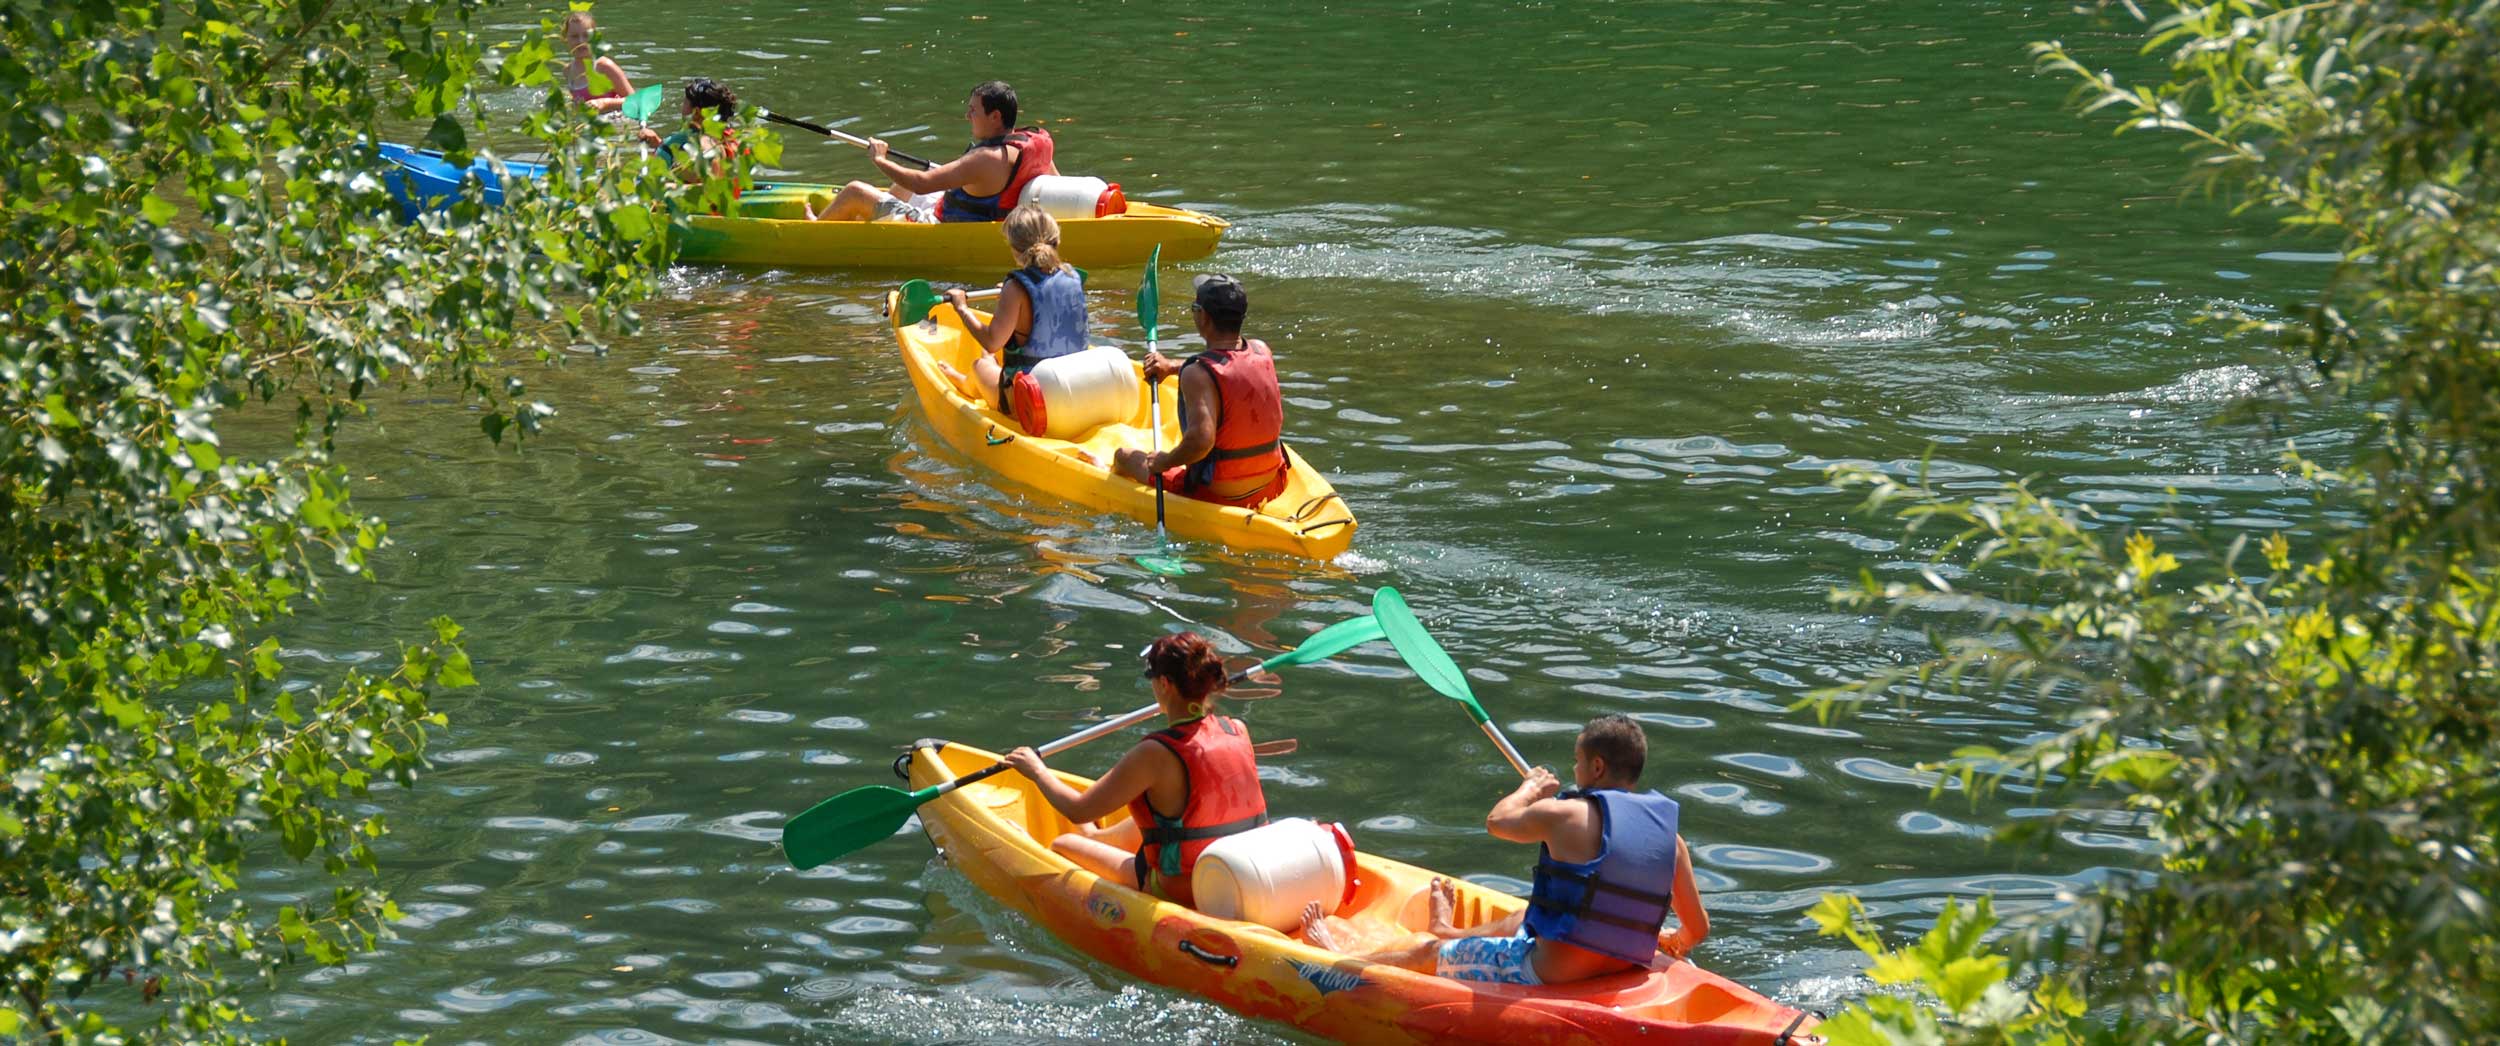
[1491, 960]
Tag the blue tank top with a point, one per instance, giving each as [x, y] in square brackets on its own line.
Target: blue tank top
[961, 206]
[1616, 904]
[1058, 300]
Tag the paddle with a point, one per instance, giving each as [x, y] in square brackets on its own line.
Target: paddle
[641, 104]
[1423, 654]
[865, 815]
[917, 297]
[1149, 306]
[844, 136]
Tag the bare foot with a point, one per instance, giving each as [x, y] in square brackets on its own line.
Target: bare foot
[962, 384]
[1314, 927]
[1442, 904]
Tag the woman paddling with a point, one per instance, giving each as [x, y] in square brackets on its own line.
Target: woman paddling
[699, 155]
[1200, 768]
[577, 27]
[1041, 311]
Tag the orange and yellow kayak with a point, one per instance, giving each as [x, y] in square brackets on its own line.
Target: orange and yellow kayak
[1308, 519]
[997, 833]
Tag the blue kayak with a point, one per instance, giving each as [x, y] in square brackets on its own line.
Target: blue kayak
[421, 180]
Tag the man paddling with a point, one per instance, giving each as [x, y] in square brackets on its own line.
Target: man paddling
[982, 185]
[1231, 449]
[1610, 867]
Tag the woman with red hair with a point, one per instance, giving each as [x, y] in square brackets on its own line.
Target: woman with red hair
[1185, 786]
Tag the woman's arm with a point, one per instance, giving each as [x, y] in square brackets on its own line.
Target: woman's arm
[1127, 780]
[992, 333]
[618, 86]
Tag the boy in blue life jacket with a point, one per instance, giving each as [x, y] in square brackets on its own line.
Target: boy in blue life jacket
[1610, 867]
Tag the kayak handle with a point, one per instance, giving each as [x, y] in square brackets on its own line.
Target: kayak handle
[1191, 949]
[994, 439]
[1324, 523]
[1312, 505]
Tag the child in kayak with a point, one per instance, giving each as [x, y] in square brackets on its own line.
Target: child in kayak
[1610, 867]
[1201, 766]
[699, 155]
[1041, 311]
[577, 27]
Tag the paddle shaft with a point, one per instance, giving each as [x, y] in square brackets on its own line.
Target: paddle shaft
[1154, 422]
[1095, 732]
[842, 136]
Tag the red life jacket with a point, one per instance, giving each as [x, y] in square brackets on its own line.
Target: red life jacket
[1035, 157]
[1249, 425]
[1222, 783]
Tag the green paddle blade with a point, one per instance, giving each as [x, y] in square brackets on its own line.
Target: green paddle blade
[1149, 302]
[1164, 565]
[641, 104]
[1329, 642]
[1422, 652]
[917, 299]
[847, 822]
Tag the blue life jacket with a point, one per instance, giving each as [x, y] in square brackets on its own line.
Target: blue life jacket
[1616, 904]
[1058, 302]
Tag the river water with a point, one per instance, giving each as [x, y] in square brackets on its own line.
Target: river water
[1575, 302]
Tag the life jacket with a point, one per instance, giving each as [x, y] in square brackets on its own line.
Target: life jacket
[1249, 424]
[1034, 158]
[1221, 779]
[1058, 303]
[1616, 904]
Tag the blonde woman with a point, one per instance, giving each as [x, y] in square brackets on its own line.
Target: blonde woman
[1201, 768]
[1041, 310]
[577, 27]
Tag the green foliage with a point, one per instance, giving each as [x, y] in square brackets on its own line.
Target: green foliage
[192, 224]
[2308, 737]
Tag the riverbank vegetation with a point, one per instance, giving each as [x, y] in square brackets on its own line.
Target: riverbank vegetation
[2308, 735]
[195, 226]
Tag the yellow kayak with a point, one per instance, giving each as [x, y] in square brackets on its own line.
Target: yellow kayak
[997, 833]
[771, 229]
[1308, 519]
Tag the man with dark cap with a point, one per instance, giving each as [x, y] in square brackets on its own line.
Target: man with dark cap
[1232, 448]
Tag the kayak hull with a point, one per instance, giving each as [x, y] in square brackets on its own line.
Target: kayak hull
[771, 227]
[1308, 519]
[997, 834]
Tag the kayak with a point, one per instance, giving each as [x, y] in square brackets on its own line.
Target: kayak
[770, 227]
[997, 832]
[1307, 519]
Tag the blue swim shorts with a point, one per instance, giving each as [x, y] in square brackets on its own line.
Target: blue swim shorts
[1491, 960]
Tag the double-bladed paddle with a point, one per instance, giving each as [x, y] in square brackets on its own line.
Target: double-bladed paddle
[842, 136]
[865, 815]
[1149, 308]
[1424, 654]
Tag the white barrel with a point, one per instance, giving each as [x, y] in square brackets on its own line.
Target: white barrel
[1080, 391]
[1065, 196]
[1266, 875]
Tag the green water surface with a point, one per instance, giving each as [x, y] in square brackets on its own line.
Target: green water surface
[1575, 303]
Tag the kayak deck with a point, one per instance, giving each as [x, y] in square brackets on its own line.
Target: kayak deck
[1308, 519]
[997, 834]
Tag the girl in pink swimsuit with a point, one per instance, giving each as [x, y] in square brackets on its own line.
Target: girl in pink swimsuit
[577, 28]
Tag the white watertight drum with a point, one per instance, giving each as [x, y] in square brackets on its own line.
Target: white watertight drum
[1267, 874]
[1079, 391]
[1070, 197]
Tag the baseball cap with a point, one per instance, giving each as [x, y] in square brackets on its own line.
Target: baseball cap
[1221, 295]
